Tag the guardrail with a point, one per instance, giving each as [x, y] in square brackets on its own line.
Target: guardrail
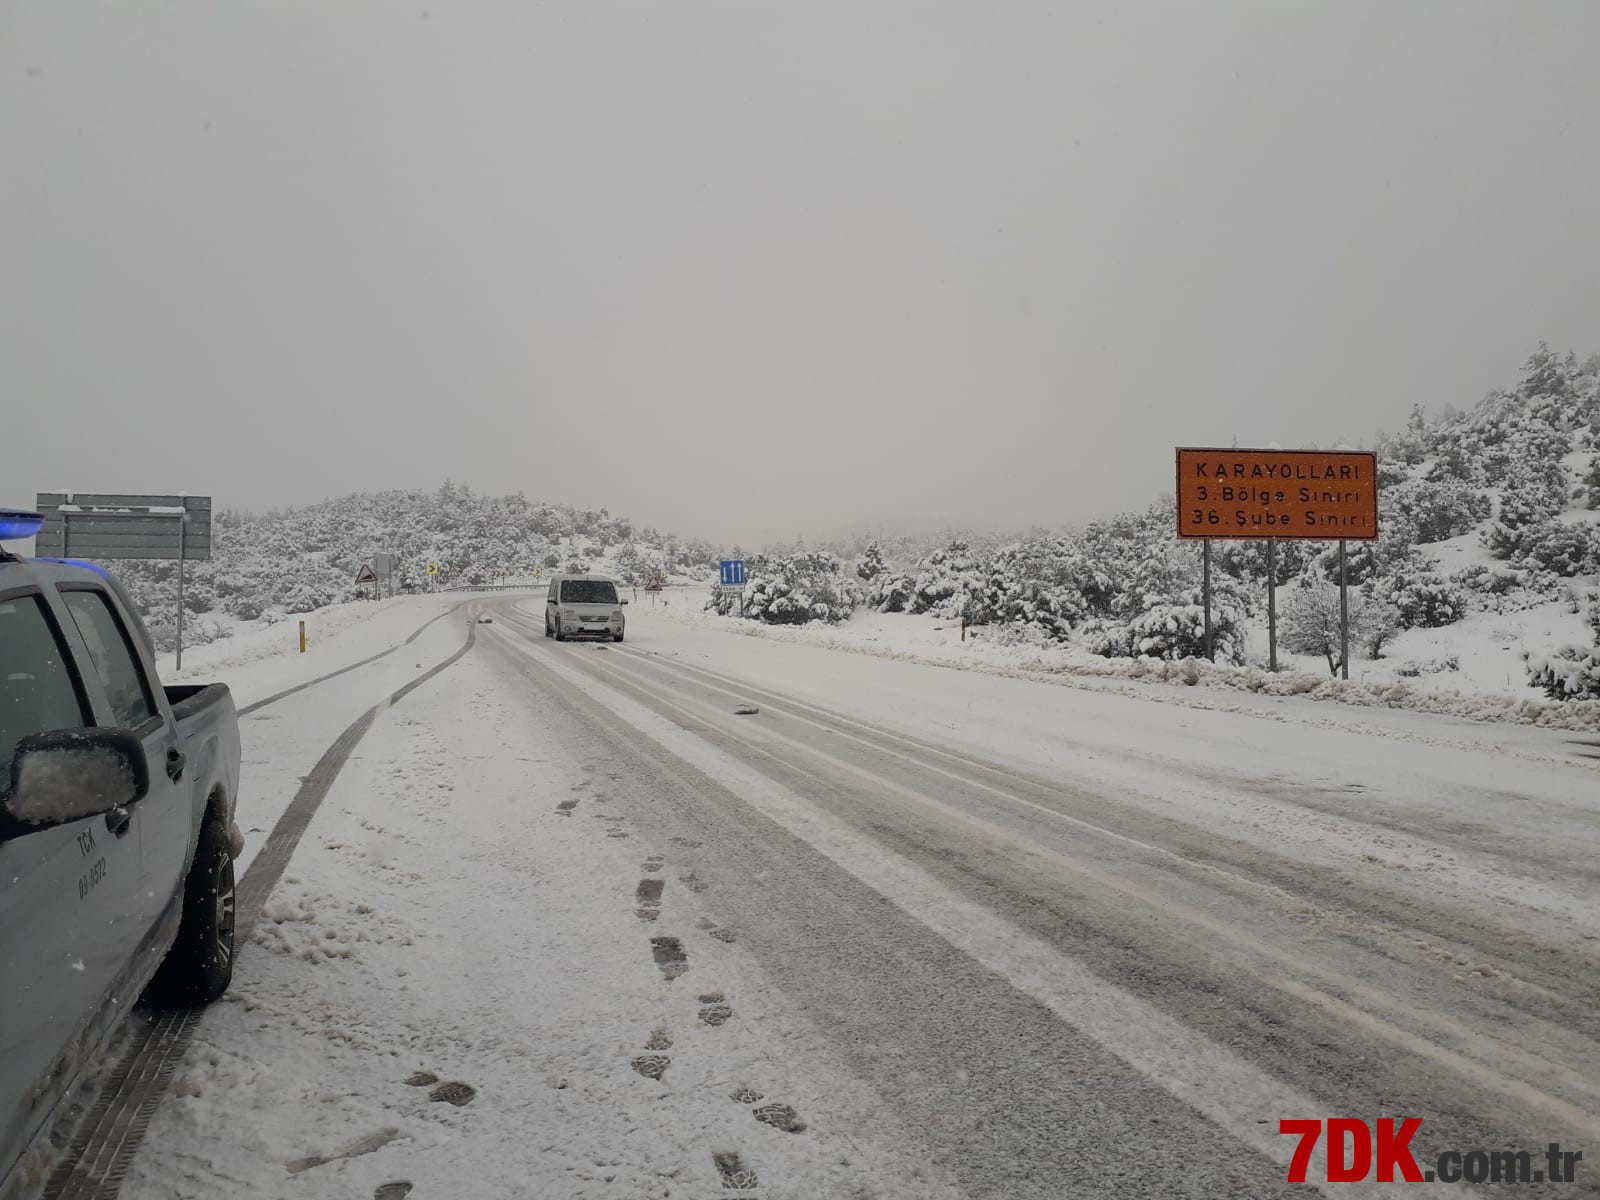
[495, 587]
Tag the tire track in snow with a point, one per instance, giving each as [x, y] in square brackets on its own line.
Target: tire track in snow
[300, 687]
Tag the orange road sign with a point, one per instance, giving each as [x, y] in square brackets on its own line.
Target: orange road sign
[1328, 495]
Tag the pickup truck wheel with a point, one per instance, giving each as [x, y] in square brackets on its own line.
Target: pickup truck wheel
[199, 966]
[618, 638]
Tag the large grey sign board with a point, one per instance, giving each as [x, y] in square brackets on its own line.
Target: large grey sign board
[102, 525]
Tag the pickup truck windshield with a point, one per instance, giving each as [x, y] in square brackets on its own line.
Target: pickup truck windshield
[37, 694]
[588, 591]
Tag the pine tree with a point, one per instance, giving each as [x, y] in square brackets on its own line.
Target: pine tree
[871, 565]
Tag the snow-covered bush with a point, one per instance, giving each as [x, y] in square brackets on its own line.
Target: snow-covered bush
[1174, 627]
[1310, 624]
[1559, 548]
[1573, 672]
[1507, 589]
[1437, 508]
[794, 590]
[1420, 595]
[893, 593]
[946, 580]
[163, 627]
[1412, 669]
[1527, 504]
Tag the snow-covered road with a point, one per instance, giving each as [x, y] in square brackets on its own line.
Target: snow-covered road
[980, 936]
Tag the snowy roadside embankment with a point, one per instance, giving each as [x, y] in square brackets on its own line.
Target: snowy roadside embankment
[938, 642]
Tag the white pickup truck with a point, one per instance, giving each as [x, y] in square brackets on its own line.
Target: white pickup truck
[117, 836]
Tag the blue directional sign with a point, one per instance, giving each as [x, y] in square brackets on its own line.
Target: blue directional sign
[733, 572]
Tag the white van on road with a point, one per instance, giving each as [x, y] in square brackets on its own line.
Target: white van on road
[583, 606]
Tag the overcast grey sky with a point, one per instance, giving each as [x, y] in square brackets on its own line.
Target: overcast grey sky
[745, 270]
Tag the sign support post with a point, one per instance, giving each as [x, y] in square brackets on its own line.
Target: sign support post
[183, 526]
[1205, 593]
[1344, 617]
[1272, 606]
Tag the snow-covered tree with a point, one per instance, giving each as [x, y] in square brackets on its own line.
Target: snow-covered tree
[1309, 621]
[1528, 503]
[871, 566]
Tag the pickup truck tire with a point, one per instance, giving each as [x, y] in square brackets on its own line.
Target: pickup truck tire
[199, 966]
[618, 638]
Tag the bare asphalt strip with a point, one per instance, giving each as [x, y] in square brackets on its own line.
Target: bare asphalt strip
[102, 1148]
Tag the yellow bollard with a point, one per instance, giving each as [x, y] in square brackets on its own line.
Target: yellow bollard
[302, 637]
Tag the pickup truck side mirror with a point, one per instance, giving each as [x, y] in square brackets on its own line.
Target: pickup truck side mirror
[71, 774]
[621, 601]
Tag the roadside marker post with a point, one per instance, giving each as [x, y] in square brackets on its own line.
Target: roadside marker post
[302, 637]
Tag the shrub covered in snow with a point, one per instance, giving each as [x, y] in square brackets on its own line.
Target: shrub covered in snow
[1507, 589]
[1436, 508]
[1559, 548]
[1310, 621]
[1527, 505]
[1573, 672]
[163, 626]
[1420, 595]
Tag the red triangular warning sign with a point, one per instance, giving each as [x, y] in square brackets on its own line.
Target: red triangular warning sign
[367, 575]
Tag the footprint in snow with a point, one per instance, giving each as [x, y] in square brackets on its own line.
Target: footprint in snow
[453, 1093]
[716, 1014]
[780, 1116]
[652, 1066]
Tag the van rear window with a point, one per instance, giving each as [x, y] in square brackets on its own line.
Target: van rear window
[588, 591]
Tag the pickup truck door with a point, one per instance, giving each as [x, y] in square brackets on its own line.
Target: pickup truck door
[66, 894]
[164, 817]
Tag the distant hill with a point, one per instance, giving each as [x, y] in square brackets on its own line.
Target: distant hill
[301, 559]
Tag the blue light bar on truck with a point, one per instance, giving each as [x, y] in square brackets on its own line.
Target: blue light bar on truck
[17, 523]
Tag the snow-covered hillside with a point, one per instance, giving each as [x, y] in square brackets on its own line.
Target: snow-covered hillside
[306, 559]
